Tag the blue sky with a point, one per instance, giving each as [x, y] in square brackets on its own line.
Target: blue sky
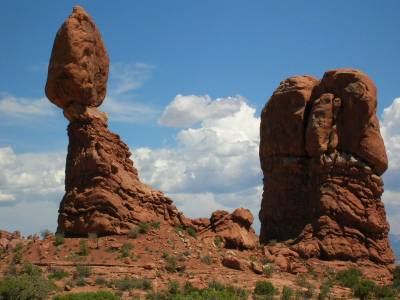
[161, 49]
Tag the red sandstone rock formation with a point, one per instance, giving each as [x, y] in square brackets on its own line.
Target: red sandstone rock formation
[103, 192]
[322, 156]
[234, 229]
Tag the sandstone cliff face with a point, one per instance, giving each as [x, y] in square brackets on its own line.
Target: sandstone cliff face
[322, 156]
[103, 192]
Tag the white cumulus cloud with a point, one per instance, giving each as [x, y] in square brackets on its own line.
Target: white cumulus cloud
[30, 176]
[214, 165]
[19, 107]
[185, 111]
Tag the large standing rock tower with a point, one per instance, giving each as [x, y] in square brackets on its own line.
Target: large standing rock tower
[322, 156]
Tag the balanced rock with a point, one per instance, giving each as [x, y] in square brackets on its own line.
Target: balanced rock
[322, 156]
[103, 193]
[78, 68]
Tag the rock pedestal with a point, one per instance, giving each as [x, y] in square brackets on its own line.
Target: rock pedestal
[103, 192]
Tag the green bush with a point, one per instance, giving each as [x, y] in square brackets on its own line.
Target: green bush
[215, 291]
[25, 287]
[82, 271]
[309, 289]
[59, 239]
[133, 233]
[173, 287]
[171, 264]
[143, 227]
[268, 270]
[396, 278]
[155, 225]
[325, 290]
[192, 232]
[385, 292]
[126, 249]
[100, 281]
[287, 293]
[365, 289]
[100, 295]
[83, 248]
[218, 241]
[58, 274]
[264, 288]
[127, 284]
[207, 259]
[349, 278]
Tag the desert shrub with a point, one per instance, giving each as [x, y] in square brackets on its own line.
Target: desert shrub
[30, 269]
[58, 274]
[127, 284]
[364, 289]
[396, 278]
[325, 290]
[218, 241]
[143, 227]
[17, 258]
[349, 278]
[100, 281]
[385, 292]
[25, 287]
[133, 233]
[207, 259]
[287, 293]
[126, 249]
[173, 287]
[213, 292]
[83, 248]
[155, 225]
[265, 289]
[82, 271]
[171, 263]
[309, 289]
[100, 295]
[59, 239]
[192, 232]
[80, 281]
[268, 270]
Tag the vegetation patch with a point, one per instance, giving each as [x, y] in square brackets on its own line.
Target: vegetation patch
[127, 284]
[215, 291]
[27, 285]
[100, 295]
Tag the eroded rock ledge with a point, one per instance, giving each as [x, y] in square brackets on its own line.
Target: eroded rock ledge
[322, 156]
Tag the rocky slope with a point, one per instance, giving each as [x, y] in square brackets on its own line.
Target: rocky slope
[322, 157]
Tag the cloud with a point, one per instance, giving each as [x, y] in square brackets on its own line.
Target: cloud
[6, 198]
[185, 111]
[29, 216]
[19, 107]
[392, 206]
[128, 111]
[213, 166]
[390, 129]
[30, 176]
[125, 77]
[120, 104]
